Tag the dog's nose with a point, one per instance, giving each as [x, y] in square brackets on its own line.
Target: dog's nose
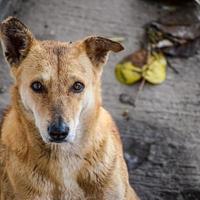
[58, 130]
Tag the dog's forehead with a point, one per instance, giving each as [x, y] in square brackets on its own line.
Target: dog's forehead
[52, 57]
[61, 53]
[51, 60]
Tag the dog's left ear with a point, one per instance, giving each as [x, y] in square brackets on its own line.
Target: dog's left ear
[16, 40]
[97, 49]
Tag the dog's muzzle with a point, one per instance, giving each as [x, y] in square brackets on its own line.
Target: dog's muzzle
[58, 131]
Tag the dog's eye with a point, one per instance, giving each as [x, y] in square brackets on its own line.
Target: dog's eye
[37, 87]
[78, 87]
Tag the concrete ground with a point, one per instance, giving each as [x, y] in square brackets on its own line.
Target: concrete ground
[162, 135]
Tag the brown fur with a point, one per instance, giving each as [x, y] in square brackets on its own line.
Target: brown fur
[90, 165]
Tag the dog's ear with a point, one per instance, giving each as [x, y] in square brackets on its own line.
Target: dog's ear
[16, 40]
[97, 49]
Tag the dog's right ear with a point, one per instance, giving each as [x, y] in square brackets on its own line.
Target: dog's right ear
[97, 49]
[16, 40]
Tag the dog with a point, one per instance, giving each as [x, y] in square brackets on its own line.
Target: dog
[57, 141]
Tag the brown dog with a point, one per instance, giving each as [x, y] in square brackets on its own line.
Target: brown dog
[57, 142]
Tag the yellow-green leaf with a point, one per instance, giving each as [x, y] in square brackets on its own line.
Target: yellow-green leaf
[155, 71]
[127, 73]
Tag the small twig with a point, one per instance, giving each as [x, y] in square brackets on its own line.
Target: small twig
[172, 67]
[141, 86]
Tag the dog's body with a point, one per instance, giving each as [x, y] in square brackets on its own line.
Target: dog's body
[88, 162]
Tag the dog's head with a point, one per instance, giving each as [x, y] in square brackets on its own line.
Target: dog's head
[58, 83]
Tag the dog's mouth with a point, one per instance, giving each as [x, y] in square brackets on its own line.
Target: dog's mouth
[56, 137]
[58, 141]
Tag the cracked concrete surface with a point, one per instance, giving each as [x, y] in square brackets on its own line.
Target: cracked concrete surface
[162, 135]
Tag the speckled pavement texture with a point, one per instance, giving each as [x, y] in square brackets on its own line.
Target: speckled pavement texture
[162, 135]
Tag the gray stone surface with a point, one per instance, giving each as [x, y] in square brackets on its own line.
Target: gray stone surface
[162, 136]
[8, 7]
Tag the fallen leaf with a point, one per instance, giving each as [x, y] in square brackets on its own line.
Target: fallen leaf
[138, 58]
[127, 73]
[177, 33]
[184, 50]
[153, 70]
[186, 32]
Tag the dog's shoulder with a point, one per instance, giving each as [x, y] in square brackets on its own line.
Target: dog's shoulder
[2, 147]
[108, 123]
[3, 176]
